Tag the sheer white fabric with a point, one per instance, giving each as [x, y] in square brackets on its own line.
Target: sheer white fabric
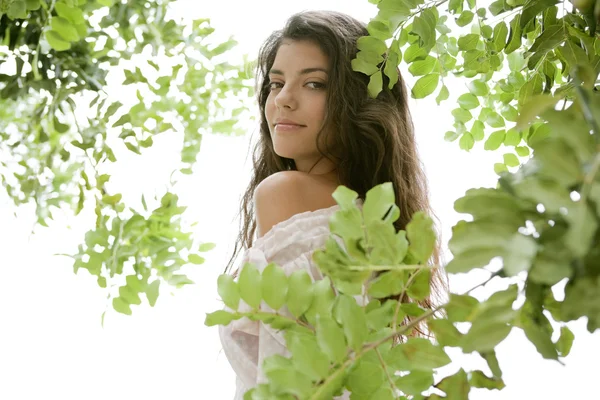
[290, 244]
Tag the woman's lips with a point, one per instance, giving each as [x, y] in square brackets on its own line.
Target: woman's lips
[287, 127]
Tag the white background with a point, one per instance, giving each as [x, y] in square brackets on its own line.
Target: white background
[52, 345]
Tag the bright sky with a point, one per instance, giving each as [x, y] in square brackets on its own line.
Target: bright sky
[51, 341]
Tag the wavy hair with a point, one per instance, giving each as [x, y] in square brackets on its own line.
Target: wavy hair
[374, 140]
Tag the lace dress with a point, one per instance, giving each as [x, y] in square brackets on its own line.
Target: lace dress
[290, 244]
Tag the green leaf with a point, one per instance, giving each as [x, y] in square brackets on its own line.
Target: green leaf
[129, 295]
[565, 341]
[492, 361]
[539, 334]
[442, 95]
[370, 43]
[533, 8]
[56, 41]
[468, 42]
[365, 379]
[323, 299]
[125, 118]
[484, 336]
[479, 380]
[424, 26]
[461, 307]
[391, 68]
[196, 259]
[514, 38]
[422, 67]
[417, 354]
[495, 140]
[330, 337]
[73, 14]
[533, 107]
[65, 29]
[363, 66]
[421, 284]
[375, 84]
[387, 284]
[468, 101]
[249, 284]
[306, 355]
[274, 286]
[152, 291]
[522, 151]
[521, 250]
[415, 52]
[462, 115]
[477, 130]
[465, 18]
[551, 37]
[415, 382]
[512, 138]
[122, 306]
[445, 332]
[229, 291]
[421, 236]
[511, 160]
[300, 292]
[206, 247]
[220, 317]
[466, 141]
[425, 86]
[451, 136]
[382, 316]
[456, 386]
[478, 88]
[353, 320]
[16, 9]
[495, 120]
[500, 34]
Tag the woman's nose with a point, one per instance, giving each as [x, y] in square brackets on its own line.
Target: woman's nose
[285, 98]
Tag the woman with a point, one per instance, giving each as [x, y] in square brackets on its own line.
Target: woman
[319, 129]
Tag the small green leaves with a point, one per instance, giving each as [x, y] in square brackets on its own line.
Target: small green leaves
[417, 354]
[468, 101]
[228, 291]
[330, 337]
[274, 286]
[299, 296]
[363, 66]
[353, 320]
[56, 41]
[565, 341]
[375, 84]
[370, 43]
[250, 285]
[220, 317]
[425, 86]
[306, 354]
[442, 95]
[495, 140]
[421, 237]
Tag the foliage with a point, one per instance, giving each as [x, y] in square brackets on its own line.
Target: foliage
[532, 81]
[61, 126]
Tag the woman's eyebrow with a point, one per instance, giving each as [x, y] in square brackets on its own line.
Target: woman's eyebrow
[302, 72]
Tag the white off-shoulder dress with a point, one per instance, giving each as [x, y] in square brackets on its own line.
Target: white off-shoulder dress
[290, 244]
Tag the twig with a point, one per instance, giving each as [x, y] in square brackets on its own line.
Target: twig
[387, 373]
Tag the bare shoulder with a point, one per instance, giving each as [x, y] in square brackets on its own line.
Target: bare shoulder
[287, 193]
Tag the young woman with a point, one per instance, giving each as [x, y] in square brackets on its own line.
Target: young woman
[319, 129]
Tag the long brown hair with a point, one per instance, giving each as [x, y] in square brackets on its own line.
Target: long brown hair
[373, 141]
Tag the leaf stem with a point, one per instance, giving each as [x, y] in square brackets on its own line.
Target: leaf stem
[385, 369]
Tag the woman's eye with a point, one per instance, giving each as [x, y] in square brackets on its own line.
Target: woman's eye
[273, 85]
[317, 85]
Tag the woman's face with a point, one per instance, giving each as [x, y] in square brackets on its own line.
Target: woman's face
[296, 104]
